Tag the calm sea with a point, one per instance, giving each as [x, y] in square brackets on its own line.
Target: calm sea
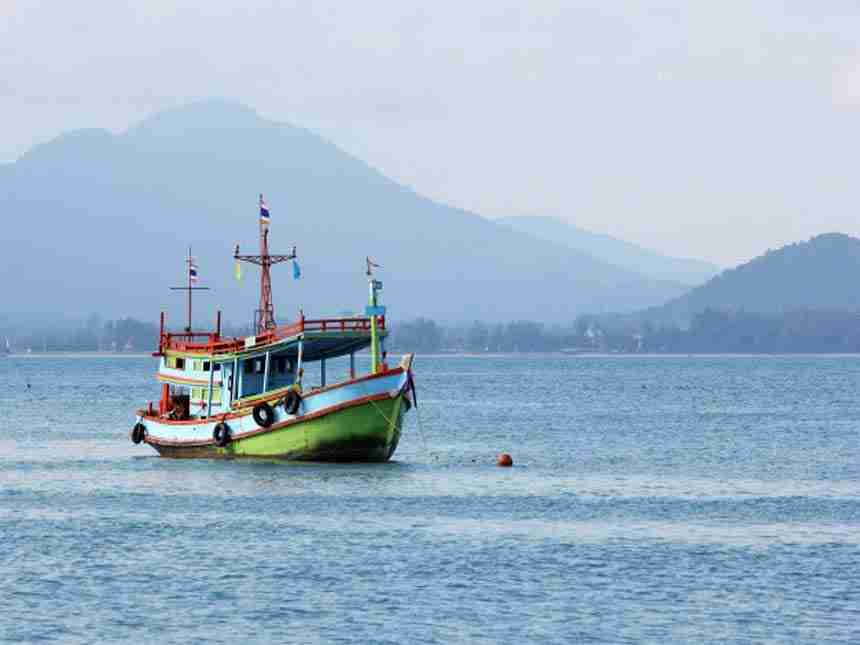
[701, 499]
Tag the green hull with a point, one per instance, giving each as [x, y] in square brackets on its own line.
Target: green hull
[368, 432]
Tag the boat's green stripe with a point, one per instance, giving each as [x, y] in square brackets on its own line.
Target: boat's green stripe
[374, 422]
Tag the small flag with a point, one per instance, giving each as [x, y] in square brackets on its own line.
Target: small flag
[297, 271]
[192, 271]
[264, 211]
[371, 265]
[238, 271]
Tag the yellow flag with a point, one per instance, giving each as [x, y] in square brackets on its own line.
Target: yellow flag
[238, 270]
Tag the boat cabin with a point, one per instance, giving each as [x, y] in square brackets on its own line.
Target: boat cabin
[205, 375]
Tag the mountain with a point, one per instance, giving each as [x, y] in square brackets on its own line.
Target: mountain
[101, 222]
[614, 251]
[818, 274]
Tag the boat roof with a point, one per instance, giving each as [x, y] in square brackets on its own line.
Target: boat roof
[320, 338]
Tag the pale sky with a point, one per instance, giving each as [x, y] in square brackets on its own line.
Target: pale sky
[701, 129]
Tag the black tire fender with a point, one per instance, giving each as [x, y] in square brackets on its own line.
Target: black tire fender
[138, 433]
[264, 415]
[221, 434]
[292, 402]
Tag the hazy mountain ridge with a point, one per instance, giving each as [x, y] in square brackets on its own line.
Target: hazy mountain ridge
[614, 251]
[816, 274]
[101, 222]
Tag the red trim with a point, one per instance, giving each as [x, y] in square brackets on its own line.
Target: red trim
[360, 379]
[245, 410]
[279, 426]
[192, 422]
[213, 345]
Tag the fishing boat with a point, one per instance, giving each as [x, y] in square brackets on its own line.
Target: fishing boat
[247, 397]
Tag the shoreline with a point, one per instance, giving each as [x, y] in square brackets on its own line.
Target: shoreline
[579, 355]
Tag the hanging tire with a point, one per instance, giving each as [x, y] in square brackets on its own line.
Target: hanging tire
[264, 415]
[292, 402]
[138, 433]
[222, 435]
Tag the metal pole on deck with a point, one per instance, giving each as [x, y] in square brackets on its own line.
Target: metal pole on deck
[266, 373]
[299, 368]
[374, 311]
[235, 389]
[189, 288]
[322, 372]
[352, 365]
[374, 337]
[211, 381]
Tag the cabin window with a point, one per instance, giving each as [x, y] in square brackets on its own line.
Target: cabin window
[196, 393]
[281, 364]
[180, 363]
[216, 395]
[216, 367]
[206, 366]
[255, 366]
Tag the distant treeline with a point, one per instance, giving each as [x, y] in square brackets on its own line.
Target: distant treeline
[712, 331]
[121, 335]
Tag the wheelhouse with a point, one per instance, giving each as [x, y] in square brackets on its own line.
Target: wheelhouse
[203, 375]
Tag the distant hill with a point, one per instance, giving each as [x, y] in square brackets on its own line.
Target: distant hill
[97, 222]
[614, 251]
[821, 273]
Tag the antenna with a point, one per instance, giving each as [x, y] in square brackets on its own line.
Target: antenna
[191, 274]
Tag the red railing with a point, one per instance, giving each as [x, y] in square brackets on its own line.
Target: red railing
[213, 344]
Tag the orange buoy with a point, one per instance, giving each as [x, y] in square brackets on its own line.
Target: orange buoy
[504, 460]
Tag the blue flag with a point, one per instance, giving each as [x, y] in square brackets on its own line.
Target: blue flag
[297, 272]
[264, 211]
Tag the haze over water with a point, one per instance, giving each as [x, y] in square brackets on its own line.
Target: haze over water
[701, 499]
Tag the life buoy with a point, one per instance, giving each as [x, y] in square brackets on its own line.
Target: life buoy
[221, 434]
[264, 415]
[292, 402]
[138, 433]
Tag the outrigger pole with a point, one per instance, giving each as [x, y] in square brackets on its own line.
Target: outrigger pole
[191, 275]
[265, 315]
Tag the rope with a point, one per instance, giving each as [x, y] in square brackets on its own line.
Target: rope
[382, 414]
[420, 427]
[421, 433]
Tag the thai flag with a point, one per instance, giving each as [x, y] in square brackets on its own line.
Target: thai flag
[264, 211]
[192, 271]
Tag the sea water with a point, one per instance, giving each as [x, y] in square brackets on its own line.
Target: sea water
[653, 499]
